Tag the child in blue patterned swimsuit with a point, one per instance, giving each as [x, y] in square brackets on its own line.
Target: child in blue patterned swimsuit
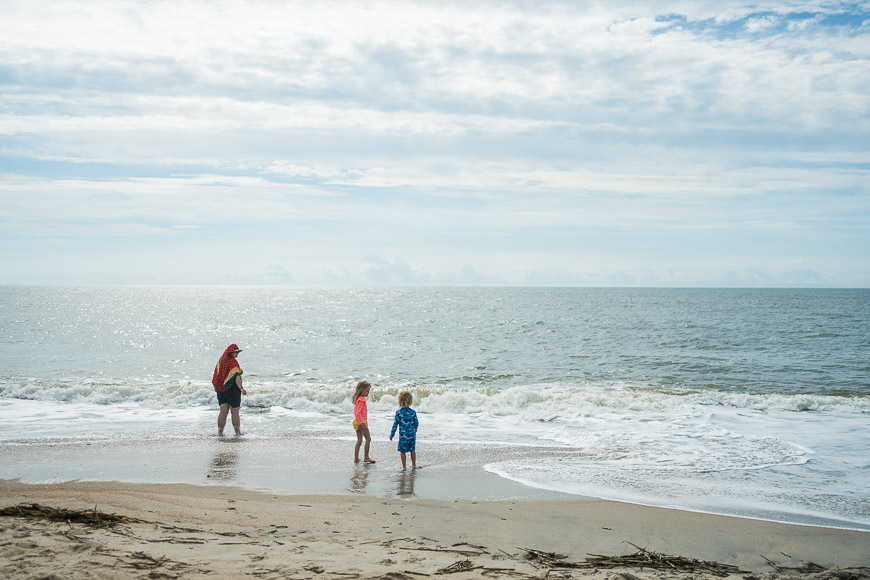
[406, 421]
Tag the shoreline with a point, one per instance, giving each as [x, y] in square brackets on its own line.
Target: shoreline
[315, 464]
[220, 531]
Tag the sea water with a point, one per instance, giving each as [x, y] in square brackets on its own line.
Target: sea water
[744, 402]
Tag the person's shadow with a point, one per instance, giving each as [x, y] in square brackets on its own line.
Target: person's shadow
[406, 483]
[360, 478]
[223, 464]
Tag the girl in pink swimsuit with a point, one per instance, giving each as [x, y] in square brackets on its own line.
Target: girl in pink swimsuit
[360, 421]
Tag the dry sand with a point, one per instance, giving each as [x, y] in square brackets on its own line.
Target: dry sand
[225, 532]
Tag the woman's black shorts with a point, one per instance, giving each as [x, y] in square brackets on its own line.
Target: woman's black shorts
[233, 397]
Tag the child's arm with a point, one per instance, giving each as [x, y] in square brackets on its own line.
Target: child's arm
[395, 426]
[416, 423]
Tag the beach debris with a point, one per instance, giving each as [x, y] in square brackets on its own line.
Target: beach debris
[859, 573]
[177, 541]
[805, 568]
[454, 550]
[88, 517]
[482, 549]
[643, 558]
[174, 528]
[460, 566]
[468, 565]
[142, 561]
[387, 542]
[549, 559]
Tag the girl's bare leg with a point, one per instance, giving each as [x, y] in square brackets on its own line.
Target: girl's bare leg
[368, 437]
[359, 438]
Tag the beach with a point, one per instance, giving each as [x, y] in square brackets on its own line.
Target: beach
[298, 507]
[188, 531]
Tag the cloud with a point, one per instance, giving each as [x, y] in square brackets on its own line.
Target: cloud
[755, 25]
[391, 271]
[504, 143]
[279, 273]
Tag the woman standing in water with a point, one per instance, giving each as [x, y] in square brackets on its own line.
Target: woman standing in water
[227, 381]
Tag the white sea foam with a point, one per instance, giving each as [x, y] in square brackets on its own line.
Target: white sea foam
[720, 452]
[539, 402]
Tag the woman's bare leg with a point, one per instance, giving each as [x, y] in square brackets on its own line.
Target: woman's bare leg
[222, 418]
[237, 422]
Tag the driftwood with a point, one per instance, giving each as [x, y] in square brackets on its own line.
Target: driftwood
[468, 565]
[460, 566]
[550, 559]
[643, 558]
[142, 561]
[460, 552]
[88, 517]
[805, 568]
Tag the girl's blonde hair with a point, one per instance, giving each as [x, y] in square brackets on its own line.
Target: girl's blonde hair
[360, 387]
[405, 399]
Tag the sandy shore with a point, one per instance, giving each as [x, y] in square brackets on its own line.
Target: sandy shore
[225, 532]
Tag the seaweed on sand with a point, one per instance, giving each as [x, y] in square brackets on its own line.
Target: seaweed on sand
[643, 558]
[93, 517]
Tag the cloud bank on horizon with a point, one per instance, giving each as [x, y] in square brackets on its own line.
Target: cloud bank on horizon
[663, 143]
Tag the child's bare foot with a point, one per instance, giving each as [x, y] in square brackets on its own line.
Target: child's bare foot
[370, 460]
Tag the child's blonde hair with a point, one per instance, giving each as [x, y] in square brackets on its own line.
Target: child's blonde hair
[405, 399]
[360, 387]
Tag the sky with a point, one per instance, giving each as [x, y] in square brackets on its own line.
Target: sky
[509, 143]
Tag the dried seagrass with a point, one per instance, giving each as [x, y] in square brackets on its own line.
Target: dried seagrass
[88, 517]
[643, 558]
[460, 566]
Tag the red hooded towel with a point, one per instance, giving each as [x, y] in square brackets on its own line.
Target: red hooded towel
[227, 370]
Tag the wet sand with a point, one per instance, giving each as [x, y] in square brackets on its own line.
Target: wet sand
[295, 464]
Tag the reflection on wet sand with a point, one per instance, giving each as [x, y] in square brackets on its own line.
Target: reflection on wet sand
[406, 482]
[223, 464]
[360, 478]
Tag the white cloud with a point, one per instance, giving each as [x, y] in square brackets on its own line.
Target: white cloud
[501, 142]
[755, 25]
[393, 271]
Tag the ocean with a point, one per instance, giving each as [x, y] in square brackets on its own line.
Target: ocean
[753, 403]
